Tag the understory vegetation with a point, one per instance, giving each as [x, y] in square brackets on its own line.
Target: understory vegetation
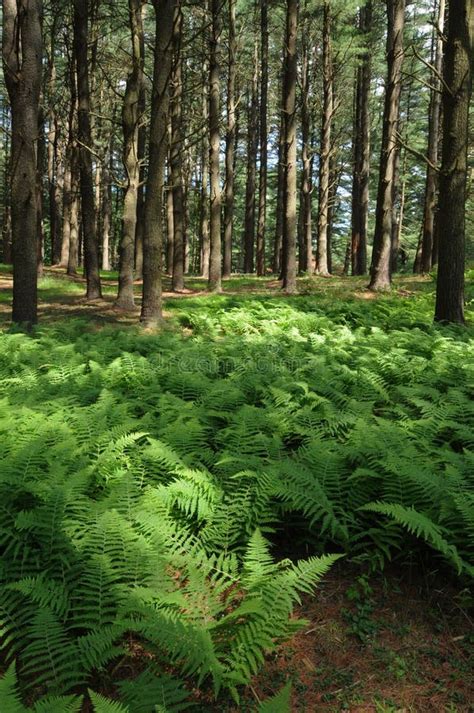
[157, 488]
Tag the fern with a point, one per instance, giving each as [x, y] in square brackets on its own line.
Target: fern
[104, 705]
[281, 703]
[419, 525]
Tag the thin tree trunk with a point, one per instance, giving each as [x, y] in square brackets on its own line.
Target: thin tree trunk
[458, 68]
[230, 146]
[169, 227]
[290, 218]
[74, 224]
[250, 187]
[214, 150]
[40, 166]
[262, 201]
[427, 241]
[278, 267]
[204, 238]
[151, 312]
[91, 247]
[54, 210]
[142, 138]
[380, 266]
[360, 186]
[176, 157]
[322, 267]
[22, 66]
[106, 215]
[305, 224]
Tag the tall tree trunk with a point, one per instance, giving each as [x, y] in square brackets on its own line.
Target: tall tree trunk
[131, 117]
[6, 193]
[74, 212]
[204, 238]
[262, 200]
[230, 146]
[214, 149]
[458, 67]
[22, 66]
[106, 213]
[360, 186]
[151, 312]
[142, 138]
[322, 266]
[91, 247]
[290, 218]
[305, 224]
[53, 138]
[278, 267]
[250, 187]
[431, 190]
[169, 226]
[396, 214]
[40, 166]
[176, 156]
[380, 266]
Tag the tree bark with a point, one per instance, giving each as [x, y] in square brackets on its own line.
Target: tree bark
[176, 157]
[262, 200]
[322, 266]
[251, 182]
[360, 185]
[305, 224]
[230, 146]
[131, 117]
[278, 267]
[22, 66]
[215, 267]
[427, 241]
[91, 247]
[380, 266]
[151, 312]
[74, 211]
[290, 218]
[458, 67]
[204, 239]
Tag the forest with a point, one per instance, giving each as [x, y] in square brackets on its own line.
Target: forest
[236, 356]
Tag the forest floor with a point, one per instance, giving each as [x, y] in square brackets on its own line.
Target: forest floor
[382, 645]
[62, 297]
[401, 641]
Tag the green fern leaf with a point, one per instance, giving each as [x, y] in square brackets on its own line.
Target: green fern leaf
[281, 703]
[105, 705]
[9, 696]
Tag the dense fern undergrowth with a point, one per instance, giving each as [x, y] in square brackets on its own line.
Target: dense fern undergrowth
[145, 477]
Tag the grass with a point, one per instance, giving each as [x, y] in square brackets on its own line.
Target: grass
[288, 414]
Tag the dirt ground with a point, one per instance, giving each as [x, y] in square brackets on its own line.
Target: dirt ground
[375, 646]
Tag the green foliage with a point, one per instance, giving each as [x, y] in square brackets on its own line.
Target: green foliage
[281, 703]
[144, 477]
